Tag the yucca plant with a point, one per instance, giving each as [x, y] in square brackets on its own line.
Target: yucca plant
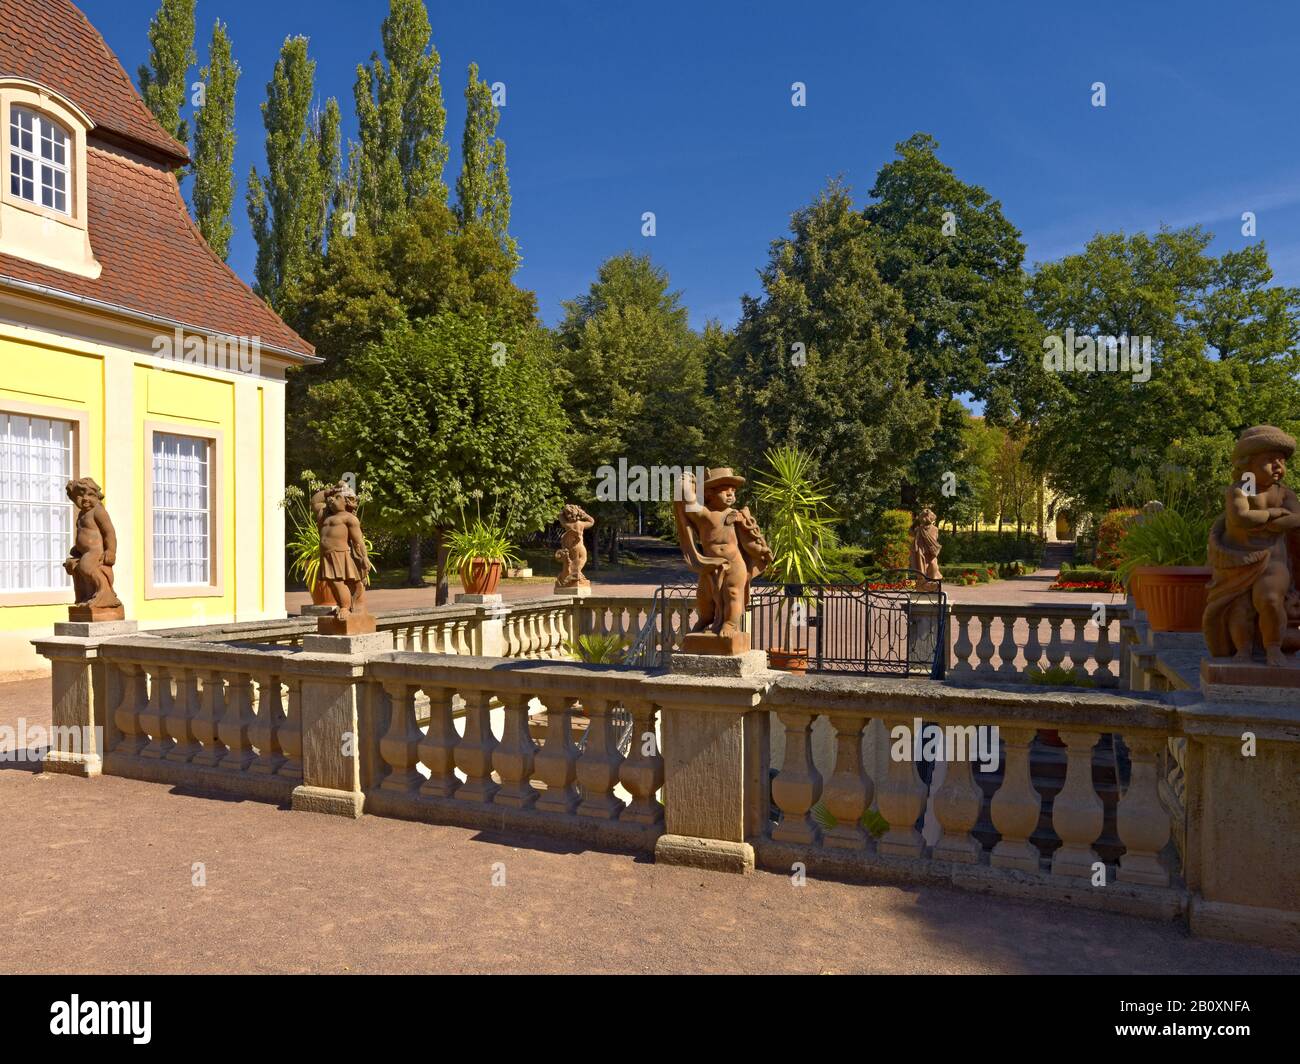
[597, 649]
[1179, 534]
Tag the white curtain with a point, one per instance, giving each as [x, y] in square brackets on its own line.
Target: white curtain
[35, 515]
[181, 511]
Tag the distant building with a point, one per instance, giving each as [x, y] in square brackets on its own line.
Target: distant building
[128, 352]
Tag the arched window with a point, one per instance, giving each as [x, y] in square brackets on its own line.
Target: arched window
[39, 160]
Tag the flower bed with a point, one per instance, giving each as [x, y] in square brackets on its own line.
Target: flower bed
[1107, 587]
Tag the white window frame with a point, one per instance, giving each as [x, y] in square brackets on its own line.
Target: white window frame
[77, 418]
[214, 440]
[44, 131]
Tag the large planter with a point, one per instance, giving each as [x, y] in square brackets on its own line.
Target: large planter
[788, 660]
[320, 594]
[1173, 596]
[1135, 589]
[480, 576]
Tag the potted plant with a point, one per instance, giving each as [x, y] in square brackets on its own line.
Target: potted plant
[797, 521]
[1165, 552]
[478, 551]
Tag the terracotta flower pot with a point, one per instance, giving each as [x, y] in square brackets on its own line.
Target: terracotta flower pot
[1174, 596]
[788, 660]
[320, 595]
[1135, 589]
[480, 576]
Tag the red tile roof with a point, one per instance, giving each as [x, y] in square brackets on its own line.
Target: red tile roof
[51, 42]
[155, 261]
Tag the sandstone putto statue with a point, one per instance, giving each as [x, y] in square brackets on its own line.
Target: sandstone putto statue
[93, 554]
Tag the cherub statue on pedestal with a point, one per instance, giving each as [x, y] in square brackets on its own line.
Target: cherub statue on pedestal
[93, 554]
[344, 561]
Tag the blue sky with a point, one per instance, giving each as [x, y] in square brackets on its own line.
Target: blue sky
[684, 109]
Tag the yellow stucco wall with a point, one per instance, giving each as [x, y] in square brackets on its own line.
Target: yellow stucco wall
[121, 394]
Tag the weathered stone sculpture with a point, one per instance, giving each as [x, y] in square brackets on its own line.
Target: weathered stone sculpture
[572, 555]
[924, 555]
[344, 562]
[731, 551]
[93, 554]
[1253, 550]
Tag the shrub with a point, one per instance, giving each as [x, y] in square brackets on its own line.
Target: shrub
[1057, 676]
[597, 649]
[1110, 531]
[893, 538]
[990, 546]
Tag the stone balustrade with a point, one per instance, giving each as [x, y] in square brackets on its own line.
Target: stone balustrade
[339, 733]
[999, 643]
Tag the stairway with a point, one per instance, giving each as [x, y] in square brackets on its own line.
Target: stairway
[1056, 553]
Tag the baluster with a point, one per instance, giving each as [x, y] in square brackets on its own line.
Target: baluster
[642, 774]
[1016, 805]
[400, 745]
[154, 718]
[1007, 649]
[1141, 820]
[135, 696]
[1033, 648]
[901, 798]
[1055, 647]
[291, 734]
[474, 751]
[599, 763]
[984, 648]
[514, 755]
[849, 790]
[437, 750]
[207, 725]
[1079, 650]
[180, 723]
[957, 808]
[534, 636]
[1103, 677]
[962, 646]
[463, 643]
[556, 762]
[264, 729]
[1077, 811]
[233, 728]
[798, 785]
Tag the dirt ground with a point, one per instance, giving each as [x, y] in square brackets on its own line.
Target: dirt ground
[100, 876]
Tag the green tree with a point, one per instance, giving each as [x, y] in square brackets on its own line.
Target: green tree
[430, 421]
[634, 377]
[483, 187]
[164, 79]
[1223, 357]
[289, 207]
[213, 193]
[402, 152]
[820, 361]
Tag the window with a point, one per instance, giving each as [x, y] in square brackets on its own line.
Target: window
[35, 516]
[38, 159]
[182, 511]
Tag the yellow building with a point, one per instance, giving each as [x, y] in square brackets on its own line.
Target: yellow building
[128, 353]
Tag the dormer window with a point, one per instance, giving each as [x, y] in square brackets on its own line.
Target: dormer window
[38, 159]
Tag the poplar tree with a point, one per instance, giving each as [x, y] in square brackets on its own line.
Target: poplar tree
[289, 207]
[171, 54]
[483, 187]
[401, 120]
[213, 194]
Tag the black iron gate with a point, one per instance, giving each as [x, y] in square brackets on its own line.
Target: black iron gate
[891, 625]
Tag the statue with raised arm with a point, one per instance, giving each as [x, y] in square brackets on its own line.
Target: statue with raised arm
[344, 561]
[92, 556]
[572, 555]
[1253, 549]
[726, 549]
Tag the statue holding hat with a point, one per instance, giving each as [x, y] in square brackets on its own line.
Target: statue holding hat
[1253, 549]
[725, 547]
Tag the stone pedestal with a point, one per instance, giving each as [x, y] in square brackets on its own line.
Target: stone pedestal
[353, 624]
[478, 600]
[94, 629]
[363, 643]
[712, 643]
[750, 663]
[314, 610]
[578, 591]
[89, 614]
